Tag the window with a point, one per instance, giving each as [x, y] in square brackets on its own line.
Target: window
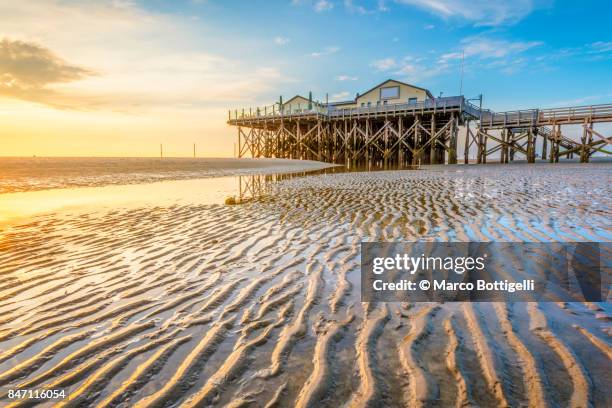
[362, 104]
[412, 101]
[390, 92]
[384, 102]
[369, 104]
[377, 103]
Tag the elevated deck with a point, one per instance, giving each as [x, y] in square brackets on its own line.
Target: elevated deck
[409, 134]
[267, 115]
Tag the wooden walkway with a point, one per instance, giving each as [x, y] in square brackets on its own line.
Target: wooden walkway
[547, 117]
[410, 134]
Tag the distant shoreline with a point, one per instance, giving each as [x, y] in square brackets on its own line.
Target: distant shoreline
[43, 173]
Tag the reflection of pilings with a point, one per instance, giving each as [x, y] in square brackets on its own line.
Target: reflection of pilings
[261, 185]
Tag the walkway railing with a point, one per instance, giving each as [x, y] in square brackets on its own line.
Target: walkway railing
[318, 109]
[534, 117]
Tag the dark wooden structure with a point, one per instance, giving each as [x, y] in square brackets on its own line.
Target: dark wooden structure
[519, 131]
[403, 135]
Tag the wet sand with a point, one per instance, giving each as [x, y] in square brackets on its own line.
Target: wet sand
[198, 304]
[41, 173]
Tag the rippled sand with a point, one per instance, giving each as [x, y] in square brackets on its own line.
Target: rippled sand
[259, 304]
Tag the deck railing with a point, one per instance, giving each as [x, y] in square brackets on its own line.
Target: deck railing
[331, 111]
[546, 116]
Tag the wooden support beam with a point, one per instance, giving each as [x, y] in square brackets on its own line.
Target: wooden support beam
[531, 145]
[452, 143]
[468, 143]
[544, 145]
[239, 142]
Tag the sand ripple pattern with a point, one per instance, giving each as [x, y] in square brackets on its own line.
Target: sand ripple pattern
[258, 304]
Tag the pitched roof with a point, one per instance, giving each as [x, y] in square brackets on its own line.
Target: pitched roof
[295, 97]
[399, 82]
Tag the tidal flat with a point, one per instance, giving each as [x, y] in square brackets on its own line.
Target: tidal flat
[179, 300]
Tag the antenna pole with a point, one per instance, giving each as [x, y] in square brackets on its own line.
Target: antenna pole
[194, 150]
[161, 150]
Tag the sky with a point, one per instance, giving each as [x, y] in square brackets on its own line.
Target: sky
[119, 78]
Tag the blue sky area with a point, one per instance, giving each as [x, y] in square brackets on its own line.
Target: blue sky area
[519, 54]
[120, 77]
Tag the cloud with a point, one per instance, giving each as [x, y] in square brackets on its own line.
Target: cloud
[479, 12]
[322, 5]
[27, 65]
[124, 59]
[326, 51]
[28, 69]
[601, 46]
[340, 96]
[579, 101]
[345, 78]
[429, 26]
[384, 64]
[410, 69]
[281, 40]
[487, 48]
[353, 7]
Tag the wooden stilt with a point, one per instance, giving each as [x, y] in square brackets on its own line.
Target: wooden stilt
[544, 145]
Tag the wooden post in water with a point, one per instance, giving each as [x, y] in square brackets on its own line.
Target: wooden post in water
[544, 144]
[319, 157]
[589, 141]
[400, 147]
[558, 143]
[468, 140]
[479, 145]
[417, 143]
[485, 139]
[502, 146]
[452, 143]
[530, 146]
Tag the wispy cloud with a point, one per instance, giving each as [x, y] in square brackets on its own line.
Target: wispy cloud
[345, 78]
[326, 51]
[479, 12]
[409, 68]
[357, 7]
[322, 5]
[384, 64]
[281, 40]
[594, 51]
[340, 96]
[429, 26]
[487, 48]
[601, 46]
[585, 100]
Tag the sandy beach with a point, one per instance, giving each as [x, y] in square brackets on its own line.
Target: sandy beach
[190, 302]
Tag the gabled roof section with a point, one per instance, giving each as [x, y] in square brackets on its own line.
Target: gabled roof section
[295, 97]
[399, 82]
